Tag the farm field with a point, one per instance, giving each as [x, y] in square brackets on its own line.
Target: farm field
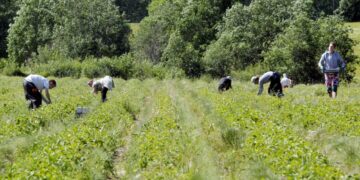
[180, 129]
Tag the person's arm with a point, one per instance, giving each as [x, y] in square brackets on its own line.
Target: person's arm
[342, 62]
[261, 88]
[95, 87]
[47, 99]
[94, 91]
[322, 62]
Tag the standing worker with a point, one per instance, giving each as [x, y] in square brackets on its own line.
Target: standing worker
[225, 84]
[33, 86]
[104, 84]
[275, 87]
[330, 64]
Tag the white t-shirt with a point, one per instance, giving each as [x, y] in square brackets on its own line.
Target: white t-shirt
[285, 82]
[103, 82]
[39, 81]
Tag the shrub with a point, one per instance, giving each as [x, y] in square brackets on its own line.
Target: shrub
[116, 67]
[2, 64]
[91, 69]
[65, 68]
[12, 69]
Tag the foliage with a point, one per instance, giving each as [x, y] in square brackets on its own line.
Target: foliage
[183, 55]
[349, 9]
[8, 10]
[298, 50]
[154, 32]
[246, 32]
[120, 67]
[134, 10]
[179, 129]
[13, 69]
[326, 7]
[76, 29]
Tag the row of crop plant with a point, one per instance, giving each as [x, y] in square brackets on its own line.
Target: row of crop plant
[82, 148]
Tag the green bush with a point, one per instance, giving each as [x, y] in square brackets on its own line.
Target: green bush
[145, 69]
[65, 68]
[91, 69]
[116, 67]
[2, 64]
[252, 70]
[12, 69]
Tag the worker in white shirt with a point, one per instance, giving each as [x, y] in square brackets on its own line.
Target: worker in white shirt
[104, 84]
[286, 82]
[275, 87]
[33, 87]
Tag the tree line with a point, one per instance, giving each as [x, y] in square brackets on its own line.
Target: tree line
[199, 37]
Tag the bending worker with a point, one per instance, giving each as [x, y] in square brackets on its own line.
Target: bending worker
[33, 86]
[104, 84]
[275, 87]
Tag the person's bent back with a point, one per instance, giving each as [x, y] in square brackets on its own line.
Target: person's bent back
[104, 84]
[33, 87]
[275, 87]
[224, 84]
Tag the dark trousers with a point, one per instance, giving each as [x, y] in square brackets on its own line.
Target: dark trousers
[275, 84]
[32, 94]
[104, 90]
[225, 85]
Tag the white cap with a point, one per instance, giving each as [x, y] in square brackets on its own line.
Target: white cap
[254, 78]
[229, 77]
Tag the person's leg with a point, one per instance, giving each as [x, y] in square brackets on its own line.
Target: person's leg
[32, 94]
[274, 81]
[334, 92]
[335, 84]
[227, 85]
[103, 94]
[221, 88]
[271, 88]
[38, 99]
[328, 83]
[278, 89]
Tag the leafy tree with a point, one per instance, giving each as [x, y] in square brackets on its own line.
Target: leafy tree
[97, 30]
[155, 30]
[192, 23]
[350, 9]
[32, 27]
[76, 29]
[248, 31]
[195, 29]
[134, 10]
[155, 4]
[327, 7]
[8, 10]
[298, 50]
[182, 54]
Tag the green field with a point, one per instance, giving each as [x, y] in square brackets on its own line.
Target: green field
[180, 129]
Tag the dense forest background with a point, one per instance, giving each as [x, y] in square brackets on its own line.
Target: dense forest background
[174, 38]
